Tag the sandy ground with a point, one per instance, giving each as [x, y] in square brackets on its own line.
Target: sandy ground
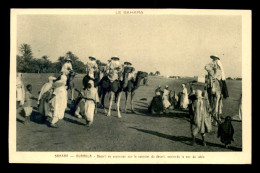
[133, 132]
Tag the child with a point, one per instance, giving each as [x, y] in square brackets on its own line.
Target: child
[87, 104]
[226, 132]
[27, 106]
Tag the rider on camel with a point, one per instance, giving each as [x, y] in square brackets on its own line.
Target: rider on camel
[131, 75]
[220, 74]
[92, 66]
[67, 65]
[113, 68]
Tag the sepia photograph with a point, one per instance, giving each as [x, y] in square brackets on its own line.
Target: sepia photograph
[159, 86]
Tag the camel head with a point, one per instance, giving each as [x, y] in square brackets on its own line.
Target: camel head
[210, 69]
[142, 75]
[128, 69]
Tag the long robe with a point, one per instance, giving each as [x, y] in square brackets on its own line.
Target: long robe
[59, 102]
[86, 106]
[184, 99]
[166, 102]
[201, 122]
[156, 105]
[45, 94]
[226, 131]
[20, 91]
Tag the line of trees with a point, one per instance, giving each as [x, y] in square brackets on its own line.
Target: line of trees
[26, 63]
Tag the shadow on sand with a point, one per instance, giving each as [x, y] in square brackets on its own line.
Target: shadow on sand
[143, 111]
[73, 121]
[183, 139]
[35, 117]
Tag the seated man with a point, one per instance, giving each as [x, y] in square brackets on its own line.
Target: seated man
[92, 67]
[156, 105]
[113, 68]
[67, 65]
[158, 91]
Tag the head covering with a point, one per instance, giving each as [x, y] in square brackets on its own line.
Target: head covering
[92, 58]
[19, 75]
[198, 93]
[51, 78]
[68, 59]
[166, 86]
[214, 57]
[115, 58]
[91, 82]
[65, 72]
[127, 63]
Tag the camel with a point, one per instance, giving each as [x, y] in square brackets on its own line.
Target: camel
[117, 87]
[132, 86]
[114, 88]
[214, 93]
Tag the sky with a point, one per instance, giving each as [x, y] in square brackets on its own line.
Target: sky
[175, 45]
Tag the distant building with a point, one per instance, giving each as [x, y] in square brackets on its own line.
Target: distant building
[174, 77]
[200, 78]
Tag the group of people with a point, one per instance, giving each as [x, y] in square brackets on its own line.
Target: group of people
[198, 104]
[165, 99]
[53, 97]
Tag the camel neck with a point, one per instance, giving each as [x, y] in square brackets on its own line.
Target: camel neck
[137, 82]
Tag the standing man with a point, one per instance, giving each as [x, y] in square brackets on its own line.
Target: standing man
[20, 90]
[92, 67]
[220, 74]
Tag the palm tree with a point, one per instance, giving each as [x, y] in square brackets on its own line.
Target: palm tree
[26, 51]
[45, 57]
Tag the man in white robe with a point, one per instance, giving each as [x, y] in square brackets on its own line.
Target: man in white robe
[67, 65]
[113, 68]
[20, 91]
[92, 66]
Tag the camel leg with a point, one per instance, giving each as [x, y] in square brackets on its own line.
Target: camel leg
[220, 105]
[132, 102]
[103, 101]
[72, 94]
[118, 105]
[126, 96]
[217, 106]
[110, 103]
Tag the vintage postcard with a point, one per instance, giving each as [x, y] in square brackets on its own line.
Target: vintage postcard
[130, 86]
